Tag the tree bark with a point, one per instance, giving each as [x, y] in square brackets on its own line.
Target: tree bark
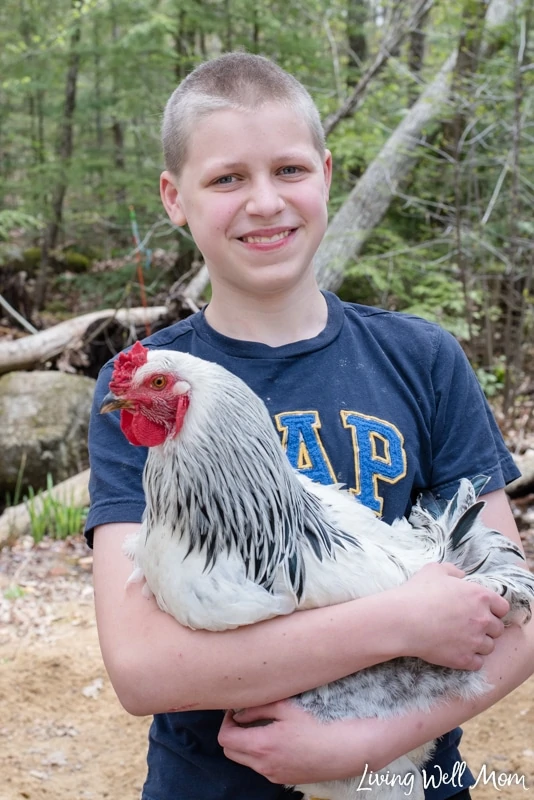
[416, 55]
[357, 16]
[184, 46]
[117, 127]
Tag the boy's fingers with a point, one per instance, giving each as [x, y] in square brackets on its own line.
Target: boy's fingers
[499, 606]
[453, 570]
[262, 715]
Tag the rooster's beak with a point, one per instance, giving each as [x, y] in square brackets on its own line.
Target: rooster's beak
[113, 403]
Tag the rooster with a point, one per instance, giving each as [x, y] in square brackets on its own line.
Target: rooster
[232, 534]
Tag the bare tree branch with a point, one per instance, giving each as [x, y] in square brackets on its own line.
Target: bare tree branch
[391, 42]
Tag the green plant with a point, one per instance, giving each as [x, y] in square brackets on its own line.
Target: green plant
[51, 516]
[9, 501]
[492, 380]
[14, 591]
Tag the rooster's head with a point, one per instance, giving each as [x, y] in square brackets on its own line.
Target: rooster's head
[151, 394]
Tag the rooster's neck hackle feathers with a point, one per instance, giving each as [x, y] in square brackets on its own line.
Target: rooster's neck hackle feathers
[236, 490]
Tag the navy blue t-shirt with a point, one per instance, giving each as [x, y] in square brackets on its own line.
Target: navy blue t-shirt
[382, 402]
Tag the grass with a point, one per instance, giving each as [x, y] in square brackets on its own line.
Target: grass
[51, 516]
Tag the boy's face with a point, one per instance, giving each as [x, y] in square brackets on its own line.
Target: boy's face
[254, 192]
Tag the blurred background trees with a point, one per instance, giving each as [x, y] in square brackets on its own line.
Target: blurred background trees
[82, 87]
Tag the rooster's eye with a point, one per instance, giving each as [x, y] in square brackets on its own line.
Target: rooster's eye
[159, 382]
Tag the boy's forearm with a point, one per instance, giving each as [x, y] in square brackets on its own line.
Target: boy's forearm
[510, 664]
[161, 666]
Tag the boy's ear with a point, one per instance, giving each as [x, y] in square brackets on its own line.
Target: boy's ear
[327, 167]
[170, 197]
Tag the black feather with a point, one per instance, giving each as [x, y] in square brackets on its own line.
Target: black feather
[465, 524]
[479, 482]
[432, 504]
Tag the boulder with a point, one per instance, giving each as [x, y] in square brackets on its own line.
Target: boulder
[45, 417]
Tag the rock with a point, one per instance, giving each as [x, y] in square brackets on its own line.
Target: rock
[45, 417]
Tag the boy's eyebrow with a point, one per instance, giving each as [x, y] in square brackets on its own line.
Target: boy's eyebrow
[229, 166]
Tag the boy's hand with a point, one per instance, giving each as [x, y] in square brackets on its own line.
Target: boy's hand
[450, 622]
[296, 748]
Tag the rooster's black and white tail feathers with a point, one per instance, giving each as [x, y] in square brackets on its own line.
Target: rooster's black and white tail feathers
[485, 555]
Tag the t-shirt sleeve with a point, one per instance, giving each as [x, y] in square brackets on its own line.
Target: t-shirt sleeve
[115, 485]
[466, 440]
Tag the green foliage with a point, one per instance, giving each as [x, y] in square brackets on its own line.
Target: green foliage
[14, 227]
[52, 517]
[17, 493]
[110, 288]
[492, 380]
[11, 219]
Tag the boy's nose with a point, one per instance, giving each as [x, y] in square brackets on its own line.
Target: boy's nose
[264, 199]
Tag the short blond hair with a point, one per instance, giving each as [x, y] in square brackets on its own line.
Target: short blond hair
[239, 81]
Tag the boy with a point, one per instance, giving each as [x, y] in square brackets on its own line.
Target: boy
[361, 396]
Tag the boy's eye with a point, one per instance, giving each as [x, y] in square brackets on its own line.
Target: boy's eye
[290, 170]
[224, 180]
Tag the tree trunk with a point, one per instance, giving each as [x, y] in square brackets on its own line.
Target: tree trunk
[64, 154]
[184, 45]
[473, 15]
[357, 16]
[117, 127]
[99, 128]
[255, 30]
[416, 55]
[228, 38]
[369, 200]
[517, 281]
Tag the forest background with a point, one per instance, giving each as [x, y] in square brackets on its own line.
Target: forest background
[443, 229]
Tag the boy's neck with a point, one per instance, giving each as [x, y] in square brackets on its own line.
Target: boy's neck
[274, 319]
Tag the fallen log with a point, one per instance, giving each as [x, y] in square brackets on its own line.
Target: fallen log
[524, 485]
[16, 522]
[32, 350]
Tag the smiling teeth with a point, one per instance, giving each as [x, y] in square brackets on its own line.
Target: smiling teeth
[265, 239]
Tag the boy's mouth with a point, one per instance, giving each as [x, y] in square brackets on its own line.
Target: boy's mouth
[265, 237]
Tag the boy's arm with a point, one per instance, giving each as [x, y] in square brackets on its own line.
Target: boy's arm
[156, 665]
[298, 749]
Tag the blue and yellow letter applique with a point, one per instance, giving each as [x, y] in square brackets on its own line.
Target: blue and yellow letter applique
[379, 454]
[302, 442]
[378, 448]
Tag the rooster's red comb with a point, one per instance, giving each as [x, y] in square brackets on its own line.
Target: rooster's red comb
[125, 366]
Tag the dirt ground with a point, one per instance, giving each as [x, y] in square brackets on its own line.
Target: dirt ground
[63, 734]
